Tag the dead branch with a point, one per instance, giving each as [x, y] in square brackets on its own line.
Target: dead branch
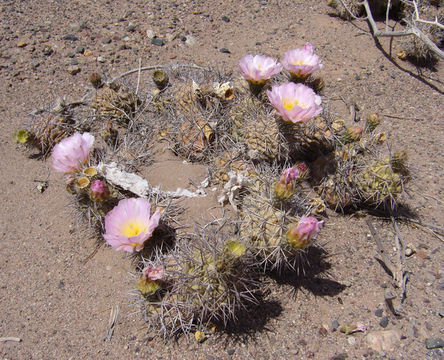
[412, 28]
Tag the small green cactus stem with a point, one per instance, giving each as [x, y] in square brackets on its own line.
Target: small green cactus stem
[96, 80]
[160, 78]
[22, 136]
[148, 287]
[398, 162]
[378, 182]
[352, 134]
[373, 121]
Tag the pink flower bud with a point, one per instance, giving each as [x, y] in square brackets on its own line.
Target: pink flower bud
[289, 175]
[153, 273]
[98, 191]
[299, 236]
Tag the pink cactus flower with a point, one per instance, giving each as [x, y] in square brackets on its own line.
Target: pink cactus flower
[153, 273]
[301, 62]
[130, 224]
[98, 191]
[289, 175]
[259, 68]
[301, 235]
[70, 154]
[296, 103]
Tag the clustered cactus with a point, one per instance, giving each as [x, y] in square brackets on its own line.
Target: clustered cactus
[297, 159]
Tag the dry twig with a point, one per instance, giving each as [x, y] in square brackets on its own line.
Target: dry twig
[412, 28]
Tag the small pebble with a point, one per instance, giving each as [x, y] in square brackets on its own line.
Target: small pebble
[335, 325]
[157, 41]
[73, 69]
[351, 340]
[70, 37]
[190, 40]
[80, 50]
[379, 312]
[409, 251]
[342, 356]
[131, 27]
[150, 34]
[384, 322]
[231, 351]
[225, 51]
[21, 44]
[183, 38]
[101, 59]
[434, 343]
[71, 55]
[226, 19]
[441, 313]
[106, 41]
[74, 62]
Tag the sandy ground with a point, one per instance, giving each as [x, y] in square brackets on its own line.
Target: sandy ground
[57, 299]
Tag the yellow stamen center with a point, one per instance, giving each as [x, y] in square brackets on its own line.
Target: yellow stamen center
[298, 62]
[133, 228]
[289, 104]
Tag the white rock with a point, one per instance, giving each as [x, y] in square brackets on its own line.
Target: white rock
[383, 340]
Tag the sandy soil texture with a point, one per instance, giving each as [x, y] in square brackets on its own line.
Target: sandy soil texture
[56, 292]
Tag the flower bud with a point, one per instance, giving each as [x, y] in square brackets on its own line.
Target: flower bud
[153, 273]
[96, 80]
[98, 191]
[352, 134]
[299, 236]
[373, 121]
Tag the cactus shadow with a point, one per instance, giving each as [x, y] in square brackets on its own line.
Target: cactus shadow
[253, 320]
[162, 241]
[311, 275]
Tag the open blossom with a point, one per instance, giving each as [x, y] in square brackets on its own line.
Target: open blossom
[70, 154]
[295, 102]
[259, 68]
[153, 273]
[301, 62]
[130, 224]
[300, 235]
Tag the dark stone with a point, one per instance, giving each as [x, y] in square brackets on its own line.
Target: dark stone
[183, 38]
[226, 19]
[71, 55]
[157, 41]
[106, 41]
[384, 322]
[335, 325]
[74, 62]
[342, 356]
[434, 343]
[378, 312]
[225, 51]
[258, 43]
[80, 50]
[231, 351]
[70, 37]
[61, 285]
